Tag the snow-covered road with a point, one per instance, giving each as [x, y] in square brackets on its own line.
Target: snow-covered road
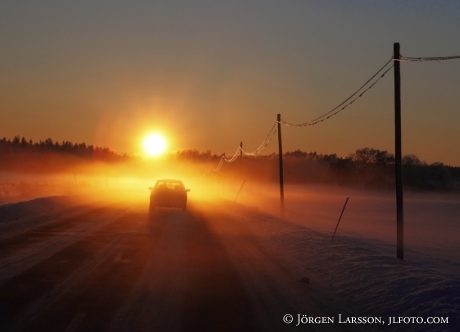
[68, 264]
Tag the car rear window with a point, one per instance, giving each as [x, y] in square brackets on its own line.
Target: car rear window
[169, 185]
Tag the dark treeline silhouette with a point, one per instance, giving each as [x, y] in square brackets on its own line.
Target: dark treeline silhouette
[24, 155]
[80, 150]
[375, 168]
[366, 168]
[195, 156]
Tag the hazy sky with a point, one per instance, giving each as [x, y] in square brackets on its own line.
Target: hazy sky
[209, 74]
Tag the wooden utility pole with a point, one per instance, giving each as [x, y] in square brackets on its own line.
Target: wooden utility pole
[241, 159]
[280, 146]
[398, 155]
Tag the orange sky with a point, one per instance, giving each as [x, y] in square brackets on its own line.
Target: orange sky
[208, 75]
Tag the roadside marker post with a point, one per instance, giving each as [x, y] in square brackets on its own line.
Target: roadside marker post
[340, 218]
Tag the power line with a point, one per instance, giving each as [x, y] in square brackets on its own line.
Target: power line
[347, 102]
[222, 159]
[235, 156]
[343, 105]
[264, 144]
[404, 58]
[261, 147]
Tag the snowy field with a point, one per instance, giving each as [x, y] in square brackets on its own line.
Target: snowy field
[431, 221]
[359, 267]
[358, 271]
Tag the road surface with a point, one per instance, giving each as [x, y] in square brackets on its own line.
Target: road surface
[114, 267]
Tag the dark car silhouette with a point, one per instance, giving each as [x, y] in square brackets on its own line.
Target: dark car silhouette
[168, 193]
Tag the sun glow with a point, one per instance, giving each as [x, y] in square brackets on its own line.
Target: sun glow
[154, 145]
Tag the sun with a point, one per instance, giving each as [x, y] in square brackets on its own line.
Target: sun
[154, 145]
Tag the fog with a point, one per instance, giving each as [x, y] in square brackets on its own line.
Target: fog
[432, 225]
[431, 220]
[238, 210]
[124, 181]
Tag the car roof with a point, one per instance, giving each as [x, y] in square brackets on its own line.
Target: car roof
[170, 180]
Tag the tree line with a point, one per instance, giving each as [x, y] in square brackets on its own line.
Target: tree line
[366, 167]
[21, 155]
[375, 168]
[20, 145]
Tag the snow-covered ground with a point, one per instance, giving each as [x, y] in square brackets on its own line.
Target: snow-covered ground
[359, 267]
[431, 221]
[358, 270]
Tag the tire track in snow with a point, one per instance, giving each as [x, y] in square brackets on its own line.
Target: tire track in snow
[23, 251]
[26, 296]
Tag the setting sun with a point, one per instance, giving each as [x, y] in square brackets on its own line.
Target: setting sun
[154, 144]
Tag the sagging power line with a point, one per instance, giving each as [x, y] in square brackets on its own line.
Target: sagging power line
[347, 102]
[369, 84]
[240, 149]
[439, 58]
[222, 159]
[264, 144]
[343, 105]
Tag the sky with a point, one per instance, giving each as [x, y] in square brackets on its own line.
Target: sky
[211, 74]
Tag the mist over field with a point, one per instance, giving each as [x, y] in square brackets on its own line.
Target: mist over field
[316, 186]
[240, 202]
[431, 217]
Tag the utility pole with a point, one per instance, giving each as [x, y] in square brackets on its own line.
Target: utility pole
[398, 155]
[280, 145]
[241, 159]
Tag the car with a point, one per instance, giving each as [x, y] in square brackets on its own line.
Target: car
[169, 193]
